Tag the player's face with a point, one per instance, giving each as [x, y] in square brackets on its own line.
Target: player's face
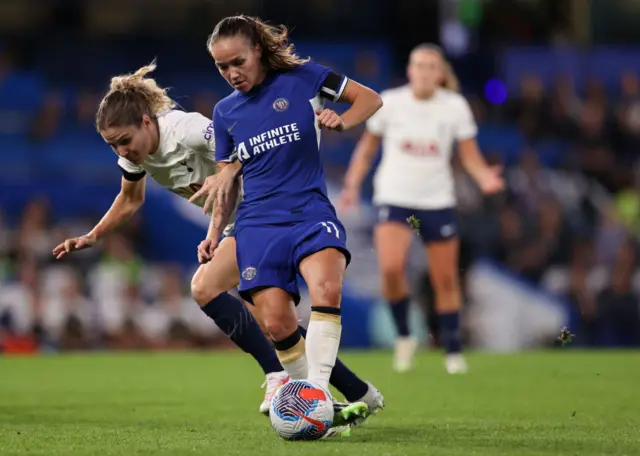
[425, 71]
[238, 62]
[132, 142]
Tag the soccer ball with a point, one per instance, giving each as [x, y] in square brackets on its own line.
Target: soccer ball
[301, 410]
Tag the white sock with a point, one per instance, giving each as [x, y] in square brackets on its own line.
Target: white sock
[323, 341]
[298, 369]
[294, 360]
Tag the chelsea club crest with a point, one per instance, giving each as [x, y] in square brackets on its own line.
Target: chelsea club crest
[280, 104]
[249, 273]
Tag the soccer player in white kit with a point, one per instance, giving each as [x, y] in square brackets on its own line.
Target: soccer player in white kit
[418, 126]
[176, 149]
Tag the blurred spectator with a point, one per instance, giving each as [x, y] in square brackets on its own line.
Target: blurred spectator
[47, 122]
[529, 108]
[34, 237]
[529, 183]
[618, 304]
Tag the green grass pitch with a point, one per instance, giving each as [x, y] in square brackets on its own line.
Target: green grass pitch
[540, 403]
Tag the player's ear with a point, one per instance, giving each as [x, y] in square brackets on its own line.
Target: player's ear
[146, 121]
[258, 49]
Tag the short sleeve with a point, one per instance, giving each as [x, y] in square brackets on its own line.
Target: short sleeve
[466, 127]
[223, 140]
[327, 83]
[376, 124]
[130, 171]
[197, 132]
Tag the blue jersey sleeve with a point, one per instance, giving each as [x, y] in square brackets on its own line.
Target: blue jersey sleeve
[224, 141]
[326, 83]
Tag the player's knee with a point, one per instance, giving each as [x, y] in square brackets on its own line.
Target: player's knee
[392, 273]
[445, 283]
[203, 292]
[278, 327]
[393, 279]
[326, 293]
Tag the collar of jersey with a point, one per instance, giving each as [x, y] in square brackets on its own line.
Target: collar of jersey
[257, 89]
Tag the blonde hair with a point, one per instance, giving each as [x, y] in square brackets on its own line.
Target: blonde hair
[450, 80]
[130, 97]
[277, 53]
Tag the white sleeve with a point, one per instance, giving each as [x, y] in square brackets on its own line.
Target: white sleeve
[466, 127]
[130, 171]
[378, 122]
[197, 133]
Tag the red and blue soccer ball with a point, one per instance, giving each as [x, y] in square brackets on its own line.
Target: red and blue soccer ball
[301, 410]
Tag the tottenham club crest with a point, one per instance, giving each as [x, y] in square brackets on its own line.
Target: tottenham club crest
[281, 104]
[249, 273]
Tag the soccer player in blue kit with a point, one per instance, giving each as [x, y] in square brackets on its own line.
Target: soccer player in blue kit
[285, 224]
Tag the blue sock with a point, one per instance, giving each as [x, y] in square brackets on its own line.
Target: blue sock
[400, 311]
[235, 320]
[344, 380]
[450, 331]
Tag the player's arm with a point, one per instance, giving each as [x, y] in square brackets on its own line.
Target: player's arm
[219, 187]
[364, 103]
[221, 212]
[359, 167]
[127, 203]
[362, 159]
[487, 177]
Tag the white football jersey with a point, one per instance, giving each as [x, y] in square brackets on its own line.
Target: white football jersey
[185, 157]
[418, 138]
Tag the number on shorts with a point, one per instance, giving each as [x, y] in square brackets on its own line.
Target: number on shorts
[329, 226]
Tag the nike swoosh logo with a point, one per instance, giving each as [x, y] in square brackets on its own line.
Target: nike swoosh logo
[231, 127]
[318, 424]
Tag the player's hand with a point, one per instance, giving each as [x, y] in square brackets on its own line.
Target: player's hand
[218, 187]
[206, 250]
[209, 189]
[349, 199]
[330, 119]
[73, 244]
[491, 180]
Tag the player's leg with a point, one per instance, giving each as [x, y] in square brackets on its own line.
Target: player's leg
[392, 238]
[279, 317]
[442, 249]
[209, 289]
[321, 257]
[323, 272]
[268, 282]
[353, 387]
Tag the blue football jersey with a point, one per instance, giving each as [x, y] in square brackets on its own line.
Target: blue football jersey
[273, 131]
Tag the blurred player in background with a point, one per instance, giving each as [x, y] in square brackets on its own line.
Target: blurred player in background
[418, 128]
[136, 118]
[285, 223]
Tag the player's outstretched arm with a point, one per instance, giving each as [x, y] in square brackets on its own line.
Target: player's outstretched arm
[360, 164]
[488, 178]
[127, 203]
[364, 103]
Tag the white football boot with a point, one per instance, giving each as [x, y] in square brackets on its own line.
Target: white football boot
[357, 413]
[405, 348]
[374, 400]
[455, 363]
[274, 381]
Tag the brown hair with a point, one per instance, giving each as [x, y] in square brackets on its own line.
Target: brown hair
[130, 97]
[277, 52]
[450, 80]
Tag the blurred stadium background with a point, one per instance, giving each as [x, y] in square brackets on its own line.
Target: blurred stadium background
[554, 85]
